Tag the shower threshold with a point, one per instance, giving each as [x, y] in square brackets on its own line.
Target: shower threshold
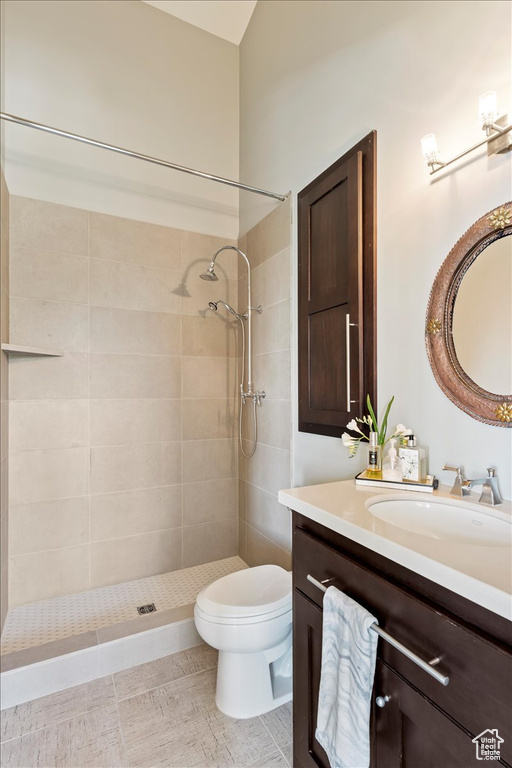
[57, 643]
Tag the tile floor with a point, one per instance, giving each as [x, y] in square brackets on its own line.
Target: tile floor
[158, 714]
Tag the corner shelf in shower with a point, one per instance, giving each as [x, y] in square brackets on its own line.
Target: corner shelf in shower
[18, 349]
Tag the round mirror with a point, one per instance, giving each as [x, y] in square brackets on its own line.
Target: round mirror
[469, 320]
[482, 318]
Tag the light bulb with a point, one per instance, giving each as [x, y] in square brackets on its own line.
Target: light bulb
[488, 108]
[429, 148]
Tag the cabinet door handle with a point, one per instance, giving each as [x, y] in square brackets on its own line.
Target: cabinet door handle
[427, 666]
[347, 347]
[381, 701]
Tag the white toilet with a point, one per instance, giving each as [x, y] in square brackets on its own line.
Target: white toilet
[247, 616]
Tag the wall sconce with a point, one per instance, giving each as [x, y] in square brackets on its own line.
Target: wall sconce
[497, 131]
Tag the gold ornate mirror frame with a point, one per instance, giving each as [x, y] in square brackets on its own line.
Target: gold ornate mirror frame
[482, 405]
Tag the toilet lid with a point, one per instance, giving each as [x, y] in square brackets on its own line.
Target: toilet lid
[251, 592]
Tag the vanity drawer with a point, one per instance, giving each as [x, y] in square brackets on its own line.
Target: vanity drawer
[478, 695]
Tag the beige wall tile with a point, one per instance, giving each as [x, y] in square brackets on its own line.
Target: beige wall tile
[127, 467]
[273, 374]
[124, 331]
[268, 516]
[261, 551]
[135, 557]
[134, 242]
[48, 525]
[120, 422]
[204, 419]
[50, 324]
[135, 376]
[45, 378]
[271, 280]
[37, 274]
[51, 474]
[4, 202]
[132, 286]
[197, 253]
[4, 436]
[209, 459]
[209, 541]
[270, 236]
[272, 329]
[4, 594]
[40, 575]
[37, 224]
[209, 336]
[274, 423]
[48, 424]
[210, 377]
[242, 499]
[210, 500]
[201, 292]
[114, 515]
[269, 469]
[4, 316]
[4, 376]
[4, 484]
[4, 258]
[242, 540]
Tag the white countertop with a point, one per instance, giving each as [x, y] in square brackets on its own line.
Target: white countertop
[480, 573]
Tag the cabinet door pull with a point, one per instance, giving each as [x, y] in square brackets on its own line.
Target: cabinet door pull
[427, 666]
[381, 701]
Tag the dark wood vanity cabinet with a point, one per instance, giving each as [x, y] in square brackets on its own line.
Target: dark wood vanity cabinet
[423, 724]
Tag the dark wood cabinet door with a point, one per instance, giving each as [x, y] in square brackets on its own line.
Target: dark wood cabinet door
[337, 314]
[411, 732]
[307, 659]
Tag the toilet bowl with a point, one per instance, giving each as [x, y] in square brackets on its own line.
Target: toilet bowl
[247, 616]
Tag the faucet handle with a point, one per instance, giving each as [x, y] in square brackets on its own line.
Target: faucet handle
[491, 472]
[460, 486]
[458, 470]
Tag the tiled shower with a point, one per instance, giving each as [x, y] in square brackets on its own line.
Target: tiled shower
[123, 460]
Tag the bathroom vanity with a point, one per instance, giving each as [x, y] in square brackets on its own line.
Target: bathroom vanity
[447, 600]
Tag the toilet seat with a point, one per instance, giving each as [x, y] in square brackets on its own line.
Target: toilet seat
[258, 594]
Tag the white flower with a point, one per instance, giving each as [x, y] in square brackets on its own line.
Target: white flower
[347, 440]
[353, 426]
[401, 429]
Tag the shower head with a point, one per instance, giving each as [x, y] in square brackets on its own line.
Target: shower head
[209, 274]
[214, 306]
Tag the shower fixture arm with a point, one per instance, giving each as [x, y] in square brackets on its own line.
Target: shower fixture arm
[250, 309]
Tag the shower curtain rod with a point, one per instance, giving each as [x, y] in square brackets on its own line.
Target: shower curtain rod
[138, 155]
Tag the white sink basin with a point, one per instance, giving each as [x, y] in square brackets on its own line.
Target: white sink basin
[443, 519]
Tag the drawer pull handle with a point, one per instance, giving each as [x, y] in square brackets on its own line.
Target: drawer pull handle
[381, 701]
[427, 666]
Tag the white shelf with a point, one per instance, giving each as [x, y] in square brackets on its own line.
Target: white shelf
[17, 349]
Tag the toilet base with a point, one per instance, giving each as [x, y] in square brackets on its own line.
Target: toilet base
[250, 684]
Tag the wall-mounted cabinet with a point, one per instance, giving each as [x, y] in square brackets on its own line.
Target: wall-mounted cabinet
[337, 292]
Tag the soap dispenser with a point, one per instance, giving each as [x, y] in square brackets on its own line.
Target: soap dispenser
[391, 469]
[413, 462]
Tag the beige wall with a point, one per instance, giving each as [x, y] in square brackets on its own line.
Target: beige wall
[123, 460]
[264, 523]
[315, 77]
[4, 399]
[128, 74]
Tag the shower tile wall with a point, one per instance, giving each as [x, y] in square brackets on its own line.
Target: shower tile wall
[265, 525]
[123, 458]
[4, 397]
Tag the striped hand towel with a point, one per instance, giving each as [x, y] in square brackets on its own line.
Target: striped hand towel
[349, 650]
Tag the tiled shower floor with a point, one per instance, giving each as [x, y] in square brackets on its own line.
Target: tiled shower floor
[62, 617]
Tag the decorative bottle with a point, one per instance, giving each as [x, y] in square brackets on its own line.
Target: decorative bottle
[413, 462]
[374, 463]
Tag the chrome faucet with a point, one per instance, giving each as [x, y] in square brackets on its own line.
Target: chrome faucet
[490, 492]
